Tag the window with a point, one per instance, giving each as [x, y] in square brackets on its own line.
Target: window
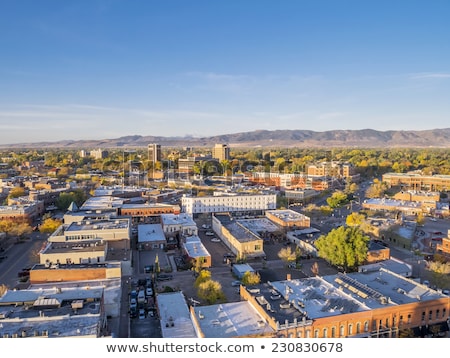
[333, 332]
[316, 333]
[430, 315]
[308, 333]
[366, 326]
[423, 316]
[409, 319]
[443, 312]
[341, 331]
[358, 328]
[325, 333]
[401, 320]
[350, 329]
[437, 314]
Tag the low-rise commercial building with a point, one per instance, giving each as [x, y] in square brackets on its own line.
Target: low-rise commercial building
[416, 181]
[367, 304]
[228, 203]
[196, 252]
[117, 229]
[52, 312]
[178, 224]
[239, 239]
[288, 219]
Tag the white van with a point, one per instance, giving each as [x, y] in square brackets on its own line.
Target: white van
[141, 296]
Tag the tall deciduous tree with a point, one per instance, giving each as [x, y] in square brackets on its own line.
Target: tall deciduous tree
[344, 246]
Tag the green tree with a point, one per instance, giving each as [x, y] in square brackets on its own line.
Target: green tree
[250, 278]
[344, 246]
[337, 199]
[65, 199]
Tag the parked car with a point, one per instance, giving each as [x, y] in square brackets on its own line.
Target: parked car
[141, 297]
[215, 239]
[141, 314]
[164, 277]
[149, 291]
[133, 312]
[209, 233]
[148, 268]
[236, 283]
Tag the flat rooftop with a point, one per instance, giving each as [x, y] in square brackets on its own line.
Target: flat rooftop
[236, 229]
[102, 203]
[150, 233]
[98, 225]
[228, 320]
[195, 248]
[396, 288]
[258, 225]
[287, 215]
[53, 312]
[175, 317]
[177, 219]
[299, 301]
[392, 203]
[80, 246]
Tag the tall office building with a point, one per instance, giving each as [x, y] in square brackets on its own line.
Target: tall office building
[154, 153]
[221, 152]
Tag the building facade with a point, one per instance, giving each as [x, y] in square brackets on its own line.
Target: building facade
[221, 152]
[228, 203]
[154, 153]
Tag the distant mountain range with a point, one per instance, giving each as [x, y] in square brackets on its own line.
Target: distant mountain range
[364, 138]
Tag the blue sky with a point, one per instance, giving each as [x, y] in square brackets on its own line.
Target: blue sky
[95, 69]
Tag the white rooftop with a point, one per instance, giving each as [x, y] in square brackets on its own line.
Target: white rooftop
[175, 316]
[195, 248]
[150, 233]
[228, 320]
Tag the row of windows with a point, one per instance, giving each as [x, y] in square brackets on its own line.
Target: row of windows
[351, 329]
[326, 333]
[80, 237]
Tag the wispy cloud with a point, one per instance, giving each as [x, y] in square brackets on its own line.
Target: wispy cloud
[425, 75]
